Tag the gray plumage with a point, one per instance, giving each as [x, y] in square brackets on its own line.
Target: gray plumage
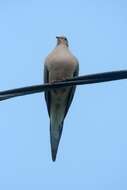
[60, 64]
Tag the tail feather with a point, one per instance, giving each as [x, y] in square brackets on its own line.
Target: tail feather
[55, 136]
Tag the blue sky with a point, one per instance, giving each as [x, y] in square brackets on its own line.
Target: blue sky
[92, 152]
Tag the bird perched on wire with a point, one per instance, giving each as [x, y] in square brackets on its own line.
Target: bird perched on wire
[60, 64]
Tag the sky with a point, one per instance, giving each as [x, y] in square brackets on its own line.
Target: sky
[92, 152]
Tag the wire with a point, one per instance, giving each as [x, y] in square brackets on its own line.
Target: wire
[81, 80]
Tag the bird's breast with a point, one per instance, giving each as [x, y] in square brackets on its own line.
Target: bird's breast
[60, 70]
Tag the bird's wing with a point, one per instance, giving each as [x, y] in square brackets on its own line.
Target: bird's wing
[47, 93]
[72, 91]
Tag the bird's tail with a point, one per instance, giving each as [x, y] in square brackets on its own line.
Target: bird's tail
[55, 135]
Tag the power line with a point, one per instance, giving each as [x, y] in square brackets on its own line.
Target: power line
[81, 80]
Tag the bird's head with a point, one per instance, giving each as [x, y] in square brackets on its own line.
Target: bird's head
[62, 40]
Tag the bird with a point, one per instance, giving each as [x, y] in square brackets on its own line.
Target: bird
[59, 65]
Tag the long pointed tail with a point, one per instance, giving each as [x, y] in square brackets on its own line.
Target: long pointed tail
[55, 135]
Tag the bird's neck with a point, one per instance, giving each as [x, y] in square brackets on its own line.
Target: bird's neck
[62, 44]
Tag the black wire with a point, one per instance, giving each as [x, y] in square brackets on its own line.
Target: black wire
[81, 80]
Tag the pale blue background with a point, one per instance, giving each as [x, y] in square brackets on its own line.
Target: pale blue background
[93, 150]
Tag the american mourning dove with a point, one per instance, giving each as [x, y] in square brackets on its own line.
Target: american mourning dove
[60, 64]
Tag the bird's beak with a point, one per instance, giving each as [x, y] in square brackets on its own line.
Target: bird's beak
[57, 37]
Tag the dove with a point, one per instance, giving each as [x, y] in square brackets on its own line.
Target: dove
[59, 65]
